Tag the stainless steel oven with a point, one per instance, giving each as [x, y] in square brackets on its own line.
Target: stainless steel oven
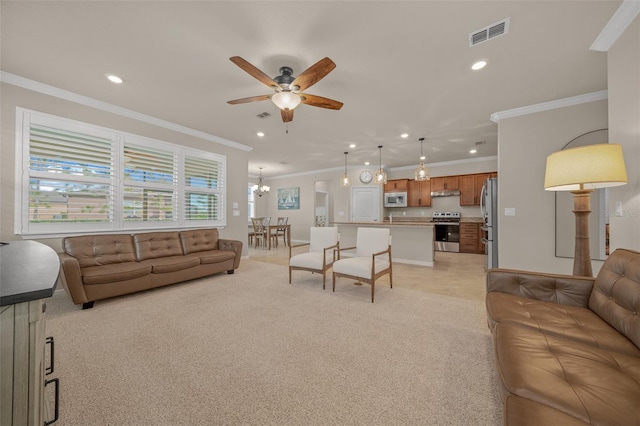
[446, 231]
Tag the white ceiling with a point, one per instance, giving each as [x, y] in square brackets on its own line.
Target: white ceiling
[402, 66]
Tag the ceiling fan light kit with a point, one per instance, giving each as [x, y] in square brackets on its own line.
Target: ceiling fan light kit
[289, 90]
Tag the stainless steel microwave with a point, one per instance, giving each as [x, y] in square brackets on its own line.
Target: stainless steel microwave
[395, 199]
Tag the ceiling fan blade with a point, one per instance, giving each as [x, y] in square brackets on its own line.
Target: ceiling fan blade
[287, 115]
[254, 72]
[313, 74]
[250, 99]
[319, 101]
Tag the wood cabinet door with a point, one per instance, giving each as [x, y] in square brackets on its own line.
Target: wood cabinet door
[419, 193]
[471, 238]
[396, 185]
[471, 187]
[451, 183]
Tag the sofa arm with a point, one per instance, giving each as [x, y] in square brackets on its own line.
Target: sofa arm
[562, 289]
[72, 278]
[232, 245]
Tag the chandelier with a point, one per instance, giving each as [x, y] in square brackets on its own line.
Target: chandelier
[346, 182]
[381, 176]
[260, 189]
[422, 173]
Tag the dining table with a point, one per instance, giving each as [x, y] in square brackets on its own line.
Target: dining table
[287, 233]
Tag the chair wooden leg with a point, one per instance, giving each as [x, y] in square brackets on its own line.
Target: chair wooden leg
[289, 275]
[324, 274]
[333, 275]
[373, 290]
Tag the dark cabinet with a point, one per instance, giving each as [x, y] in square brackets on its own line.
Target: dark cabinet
[419, 193]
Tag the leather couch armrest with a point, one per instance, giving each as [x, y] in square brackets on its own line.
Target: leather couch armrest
[562, 289]
[71, 278]
[232, 245]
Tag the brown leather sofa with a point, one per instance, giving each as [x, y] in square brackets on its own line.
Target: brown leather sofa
[567, 348]
[96, 267]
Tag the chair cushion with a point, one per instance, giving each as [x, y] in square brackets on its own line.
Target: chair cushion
[572, 322]
[322, 237]
[371, 240]
[311, 260]
[359, 266]
[524, 412]
[596, 386]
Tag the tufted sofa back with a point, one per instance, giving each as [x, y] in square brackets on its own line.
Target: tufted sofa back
[199, 240]
[616, 293]
[95, 250]
[152, 245]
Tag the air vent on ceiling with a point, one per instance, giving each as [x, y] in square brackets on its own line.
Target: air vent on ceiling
[489, 32]
[264, 115]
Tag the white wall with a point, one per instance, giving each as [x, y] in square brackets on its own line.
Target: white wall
[624, 128]
[13, 96]
[527, 240]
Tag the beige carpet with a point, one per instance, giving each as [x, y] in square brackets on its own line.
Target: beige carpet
[250, 349]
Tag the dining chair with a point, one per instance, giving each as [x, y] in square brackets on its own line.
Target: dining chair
[283, 232]
[371, 261]
[323, 243]
[260, 230]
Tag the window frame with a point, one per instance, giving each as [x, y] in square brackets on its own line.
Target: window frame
[115, 221]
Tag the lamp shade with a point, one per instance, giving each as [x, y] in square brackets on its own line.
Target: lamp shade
[585, 167]
[286, 100]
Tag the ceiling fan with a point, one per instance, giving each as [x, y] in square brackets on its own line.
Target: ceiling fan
[289, 89]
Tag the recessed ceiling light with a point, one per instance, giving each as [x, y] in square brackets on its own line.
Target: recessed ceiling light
[473, 151]
[479, 65]
[353, 145]
[366, 163]
[114, 78]
[260, 134]
[404, 135]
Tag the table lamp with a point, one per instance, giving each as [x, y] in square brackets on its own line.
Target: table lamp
[581, 170]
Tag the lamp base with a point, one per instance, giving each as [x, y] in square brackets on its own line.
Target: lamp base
[581, 209]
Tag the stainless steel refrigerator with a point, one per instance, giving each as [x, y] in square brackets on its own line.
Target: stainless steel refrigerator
[489, 211]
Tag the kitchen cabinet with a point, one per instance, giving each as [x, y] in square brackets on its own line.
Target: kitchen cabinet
[396, 185]
[419, 193]
[471, 187]
[449, 183]
[29, 274]
[471, 238]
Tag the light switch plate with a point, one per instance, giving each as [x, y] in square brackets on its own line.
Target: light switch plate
[236, 212]
[235, 204]
[509, 211]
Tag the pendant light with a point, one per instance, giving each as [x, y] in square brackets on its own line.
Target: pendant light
[422, 173]
[381, 176]
[260, 189]
[346, 182]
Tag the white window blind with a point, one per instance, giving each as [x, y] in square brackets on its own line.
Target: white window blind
[77, 178]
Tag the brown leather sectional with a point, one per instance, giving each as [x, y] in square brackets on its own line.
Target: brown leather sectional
[96, 267]
[567, 348]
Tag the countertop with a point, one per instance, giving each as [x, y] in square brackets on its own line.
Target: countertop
[28, 271]
[409, 221]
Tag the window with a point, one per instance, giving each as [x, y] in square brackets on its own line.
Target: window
[76, 178]
[252, 202]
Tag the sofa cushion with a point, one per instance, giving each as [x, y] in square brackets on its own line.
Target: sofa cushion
[311, 260]
[164, 265]
[95, 250]
[215, 256]
[114, 272]
[596, 386]
[153, 245]
[572, 322]
[524, 412]
[616, 293]
[199, 240]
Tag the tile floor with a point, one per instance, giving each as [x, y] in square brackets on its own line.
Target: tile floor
[454, 274]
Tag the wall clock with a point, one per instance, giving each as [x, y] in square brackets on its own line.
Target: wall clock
[366, 176]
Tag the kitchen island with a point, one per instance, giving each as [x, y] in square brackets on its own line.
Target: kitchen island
[411, 242]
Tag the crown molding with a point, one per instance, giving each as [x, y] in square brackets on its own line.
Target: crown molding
[546, 106]
[46, 89]
[619, 22]
[447, 163]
